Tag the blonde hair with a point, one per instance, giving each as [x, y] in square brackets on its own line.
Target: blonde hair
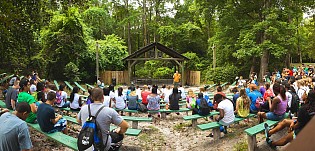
[191, 93]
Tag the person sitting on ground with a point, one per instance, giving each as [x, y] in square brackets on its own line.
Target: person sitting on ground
[203, 107]
[107, 101]
[226, 110]
[75, 99]
[24, 96]
[305, 114]
[153, 101]
[46, 118]
[242, 104]
[14, 132]
[63, 97]
[253, 95]
[144, 94]
[105, 117]
[120, 99]
[191, 99]
[11, 95]
[182, 91]
[133, 99]
[174, 100]
[278, 105]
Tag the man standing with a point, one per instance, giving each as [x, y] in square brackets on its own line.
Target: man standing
[176, 77]
[105, 117]
[11, 96]
[14, 132]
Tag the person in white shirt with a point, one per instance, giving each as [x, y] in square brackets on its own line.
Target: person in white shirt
[75, 99]
[120, 100]
[226, 110]
[33, 86]
[138, 92]
[64, 103]
[182, 90]
[168, 91]
[301, 89]
[288, 94]
[107, 100]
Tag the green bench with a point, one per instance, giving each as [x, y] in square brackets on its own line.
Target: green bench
[59, 137]
[224, 85]
[195, 117]
[68, 85]
[2, 104]
[181, 101]
[78, 85]
[234, 83]
[164, 111]
[181, 104]
[215, 126]
[89, 86]
[21, 77]
[68, 110]
[56, 84]
[136, 120]
[251, 132]
[6, 78]
[130, 131]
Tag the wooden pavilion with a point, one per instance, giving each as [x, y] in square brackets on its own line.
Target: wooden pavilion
[154, 51]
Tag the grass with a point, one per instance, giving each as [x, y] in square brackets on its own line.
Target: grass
[241, 146]
[153, 137]
[180, 126]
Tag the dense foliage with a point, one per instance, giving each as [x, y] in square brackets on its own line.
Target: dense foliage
[58, 38]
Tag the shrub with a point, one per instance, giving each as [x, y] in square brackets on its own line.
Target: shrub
[72, 72]
[222, 74]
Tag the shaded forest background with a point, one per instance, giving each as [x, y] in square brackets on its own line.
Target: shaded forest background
[58, 38]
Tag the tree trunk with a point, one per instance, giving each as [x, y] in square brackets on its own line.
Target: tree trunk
[144, 22]
[129, 36]
[252, 68]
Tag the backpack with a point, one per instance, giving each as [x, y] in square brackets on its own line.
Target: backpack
[204, 108]
[294, 102]
[258, 102]
[91, 134]
[142, 108]
[58, 98]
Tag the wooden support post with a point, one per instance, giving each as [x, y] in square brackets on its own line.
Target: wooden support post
[135, 124]
[163, 115]
[216, 133]
[252, 144]
[194, 122]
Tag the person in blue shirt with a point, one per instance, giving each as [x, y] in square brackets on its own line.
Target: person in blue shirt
[253, 95]
[196, 110]
[236, 95]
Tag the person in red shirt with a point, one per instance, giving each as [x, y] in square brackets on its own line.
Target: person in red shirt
[144, 94]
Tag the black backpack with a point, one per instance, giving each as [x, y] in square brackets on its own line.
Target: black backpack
[204, 108]
[142, 108]
[91, 134]
[294, 102]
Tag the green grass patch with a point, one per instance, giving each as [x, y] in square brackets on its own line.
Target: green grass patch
[240, 146]
[180, 126]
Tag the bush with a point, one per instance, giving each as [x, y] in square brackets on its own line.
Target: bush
[222, 74]
[72, 72]
[163, 72]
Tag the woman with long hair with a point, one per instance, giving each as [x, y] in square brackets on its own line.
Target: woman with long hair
[153, 101]
[75, 99]
[278, 105]
[120, 99]
[174, 99]
[242, 104]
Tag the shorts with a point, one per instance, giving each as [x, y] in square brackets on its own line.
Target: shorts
[274, 117]
[225, 124]
[59, 126]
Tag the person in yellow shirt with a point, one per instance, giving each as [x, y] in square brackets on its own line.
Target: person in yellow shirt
[176, 77]
[242, 104]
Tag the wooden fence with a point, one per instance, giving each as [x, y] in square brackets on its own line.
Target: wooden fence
[193, 77]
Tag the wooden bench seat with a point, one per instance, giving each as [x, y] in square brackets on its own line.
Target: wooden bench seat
[130, 131]
[215, 126]
[164, 111]
[251, 132]
[78, 85]
[68, 85]
[195, 117]
[58, 137]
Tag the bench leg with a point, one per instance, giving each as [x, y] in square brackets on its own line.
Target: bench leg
[216, 133]
[194, 122]
[187, 113]
[163, 115]
[135, 124]
[252, 144]
[129, 113]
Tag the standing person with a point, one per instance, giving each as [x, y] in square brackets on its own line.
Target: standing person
[177, 78]
[24, 96]
[105, 117]
[46, 118]
[144, 94]
[75, 99]
[278, 105]
[174, 100]
[11, 95]
[14, 131]
[62, 96]
[242, 104]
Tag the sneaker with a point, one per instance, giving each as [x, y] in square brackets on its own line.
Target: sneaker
[210, 135]
[225, 131]
[266, 130]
